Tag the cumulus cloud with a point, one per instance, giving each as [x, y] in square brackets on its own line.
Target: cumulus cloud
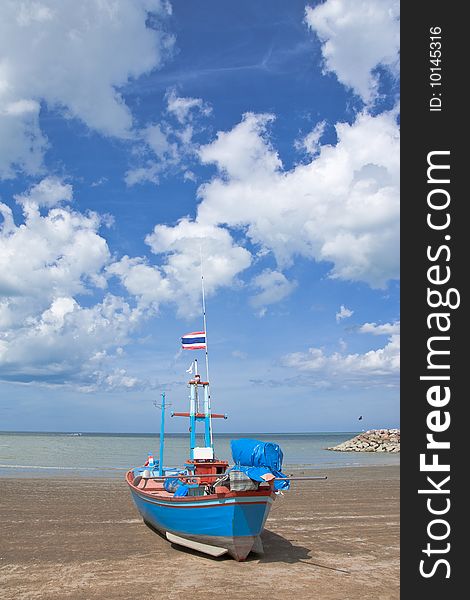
[384, 329]
[142, 280]
[274, 287]
[147, 173]
[160, 152]
[182, 245]
[378, 366]
[119, 379]
[374, 366]
[178, 279]
[58, 321]
[22, 144]
[49, 255]
[311, 142]
[244, 152]
[49, 192]
[73, 56]
[342, 207]
[169, 145]
[357, 36]
[158, 141]
[60, 343]
[343, 313]
[183, 108]
[48, 262]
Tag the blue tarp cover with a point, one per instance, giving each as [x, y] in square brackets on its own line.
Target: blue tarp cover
[181, 490]
[254, 453]
[172, 484]
[256, 458]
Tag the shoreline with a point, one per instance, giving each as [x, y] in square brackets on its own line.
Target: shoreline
[70, 537]
[45, 472]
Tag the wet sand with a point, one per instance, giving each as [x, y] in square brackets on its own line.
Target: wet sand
[72, 538]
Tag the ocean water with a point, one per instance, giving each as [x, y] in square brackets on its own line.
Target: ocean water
[110, 455]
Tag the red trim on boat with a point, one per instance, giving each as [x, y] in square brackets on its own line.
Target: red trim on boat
[186, 499]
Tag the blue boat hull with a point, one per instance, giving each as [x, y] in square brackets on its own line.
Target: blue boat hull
[233, 522]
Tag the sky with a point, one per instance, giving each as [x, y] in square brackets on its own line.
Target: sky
[138, 135]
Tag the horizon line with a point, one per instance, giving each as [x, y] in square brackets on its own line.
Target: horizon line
[182, 432]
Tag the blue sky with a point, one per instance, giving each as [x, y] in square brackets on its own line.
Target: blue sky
[138, 132]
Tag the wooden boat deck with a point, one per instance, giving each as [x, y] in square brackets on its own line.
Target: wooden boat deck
[155, 488]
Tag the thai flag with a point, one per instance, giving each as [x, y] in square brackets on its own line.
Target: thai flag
[194, 341]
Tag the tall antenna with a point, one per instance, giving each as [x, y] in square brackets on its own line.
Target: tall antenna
[207, 345]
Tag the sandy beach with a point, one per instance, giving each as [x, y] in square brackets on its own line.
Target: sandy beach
[72, 538]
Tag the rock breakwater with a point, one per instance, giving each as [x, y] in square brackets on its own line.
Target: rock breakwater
[374, 440]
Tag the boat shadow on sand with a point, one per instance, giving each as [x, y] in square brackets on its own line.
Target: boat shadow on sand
[279, 549]
[276, 549]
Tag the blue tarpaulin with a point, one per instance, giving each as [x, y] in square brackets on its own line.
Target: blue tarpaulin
[182, 490]
[256, 458]
[254, 453]
[172, 484]
[176, 487]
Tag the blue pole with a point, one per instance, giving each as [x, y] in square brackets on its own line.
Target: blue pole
[192, 421]
[162, 436]
[207, 418]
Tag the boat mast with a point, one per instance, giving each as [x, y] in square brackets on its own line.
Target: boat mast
[207, 393]
[162, 436]
[200, 406]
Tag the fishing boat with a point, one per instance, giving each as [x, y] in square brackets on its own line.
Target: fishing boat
[206, 505]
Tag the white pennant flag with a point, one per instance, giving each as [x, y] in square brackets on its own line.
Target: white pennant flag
[190, 370]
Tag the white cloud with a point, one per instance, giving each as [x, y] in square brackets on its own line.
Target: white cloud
[342, 207]
[117, 379]
[183, 108]
[357, 36]
[364, 369]
[343, 313]
[189, 176]
[22, 144]
[56, 257]
[168, 146]
[158, 142]
[244, 152]
[144, 281]
[178, 279]
[181, 245]
[160, 152]
[99, 181]
[60, 342]
[49, 192]
[274, 287]
[149, 173]
[385, 329]
[375, 366]
[73, 56]
[51, 255]
[47, 263]
[311, 142]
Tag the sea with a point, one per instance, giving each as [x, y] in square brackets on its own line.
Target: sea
[72, 454]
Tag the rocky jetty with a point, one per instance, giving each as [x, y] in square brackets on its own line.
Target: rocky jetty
[374, 440]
